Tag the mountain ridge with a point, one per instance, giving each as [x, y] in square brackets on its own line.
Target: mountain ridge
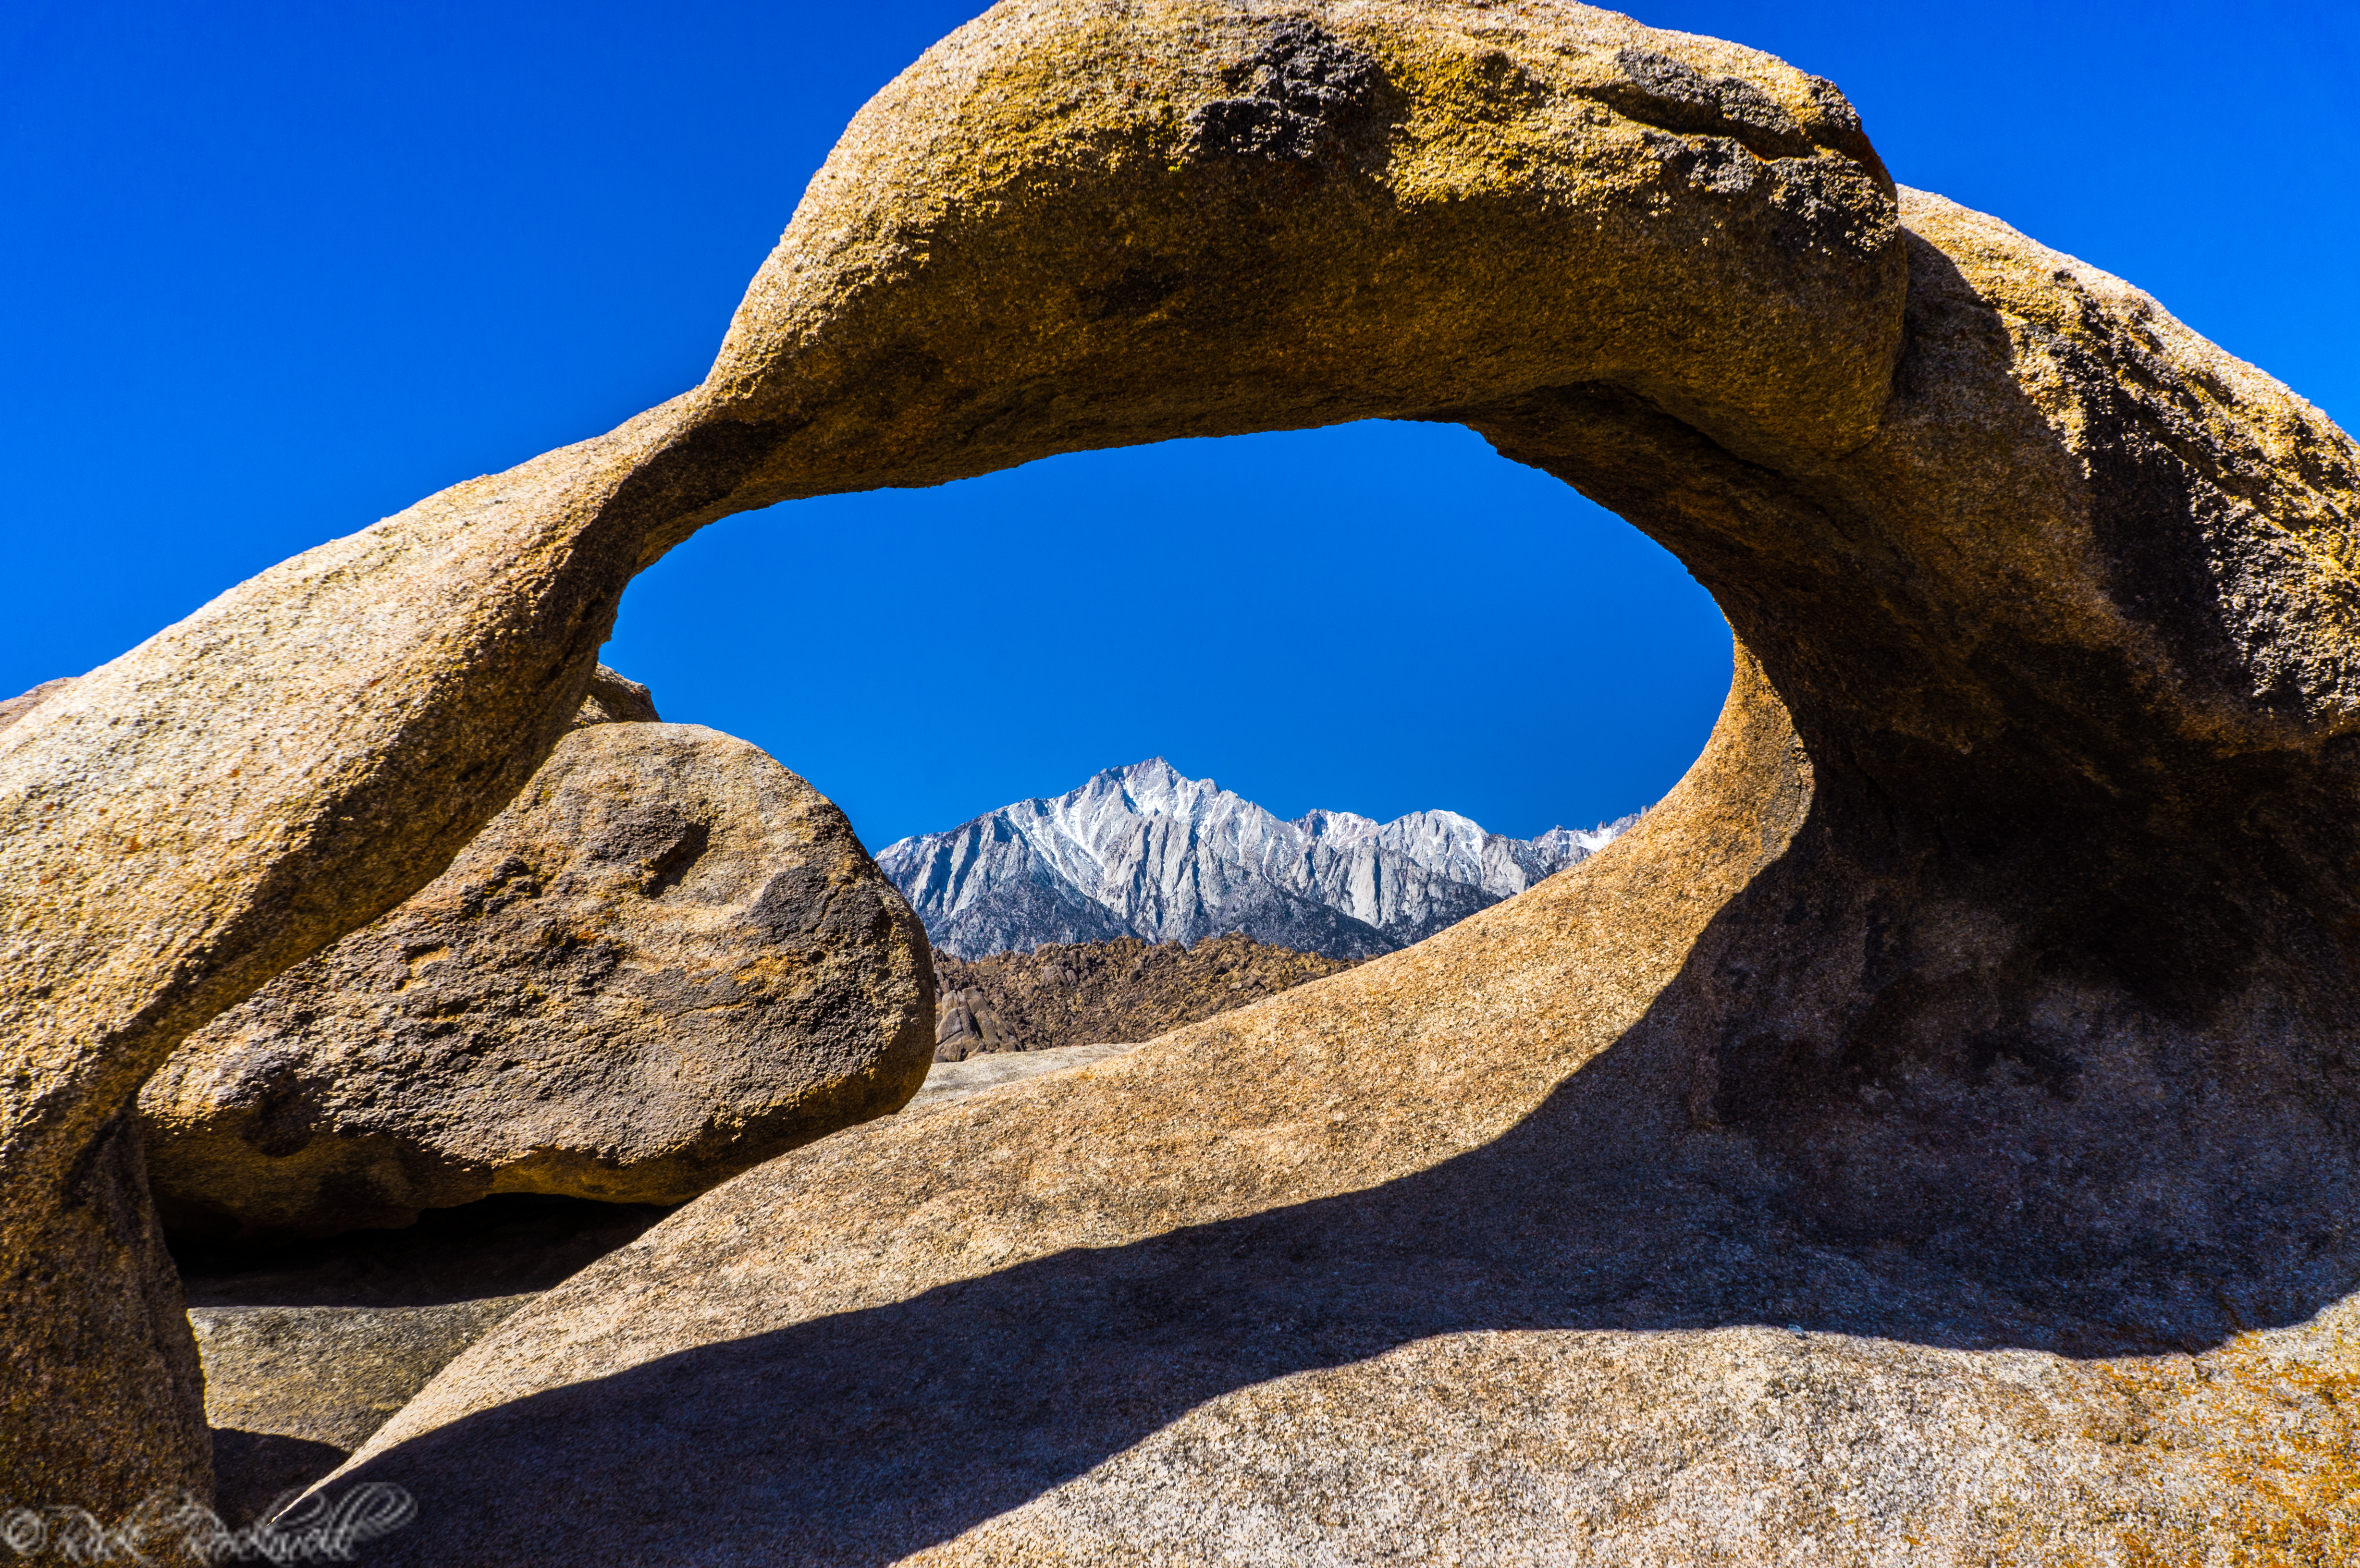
[1144, 851]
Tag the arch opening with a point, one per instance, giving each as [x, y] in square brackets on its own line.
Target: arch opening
[1382, 618]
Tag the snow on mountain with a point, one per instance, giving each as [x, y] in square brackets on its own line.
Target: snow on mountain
[1141, 851]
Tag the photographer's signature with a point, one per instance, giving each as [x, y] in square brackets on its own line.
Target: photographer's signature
[314, 1530]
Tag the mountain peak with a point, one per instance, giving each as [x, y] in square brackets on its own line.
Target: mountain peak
[1142, 850]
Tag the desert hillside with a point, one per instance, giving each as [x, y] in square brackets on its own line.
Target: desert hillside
[1091, 993]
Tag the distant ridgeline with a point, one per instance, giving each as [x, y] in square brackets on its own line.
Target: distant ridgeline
[1141, 851]
[1096, 993]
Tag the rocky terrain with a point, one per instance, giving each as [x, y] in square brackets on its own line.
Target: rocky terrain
[1126, 990]
[1926, 1136]
[1144, 852]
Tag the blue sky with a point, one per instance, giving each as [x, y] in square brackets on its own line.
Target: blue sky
[273, 272]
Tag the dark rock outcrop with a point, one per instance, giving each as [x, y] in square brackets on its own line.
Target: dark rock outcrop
[1122, 991]
[968, 1024]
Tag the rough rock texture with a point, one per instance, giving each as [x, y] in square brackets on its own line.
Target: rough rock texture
[1430, 1261]
[1249, 219]
[612, 698]
[308, 1349]
[1927, 1136]
[1881, 1154]
[1087, 993]
[183, 824]
[616, 700]
[1144, 852]
[290, 1391]
[667, 961]
[24, 702]
[965, 1024]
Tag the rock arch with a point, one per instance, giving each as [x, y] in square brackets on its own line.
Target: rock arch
[2009, 919]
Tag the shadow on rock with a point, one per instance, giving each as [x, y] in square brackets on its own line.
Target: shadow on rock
[309, 1348]
[1979, 1210]
[257, 1471]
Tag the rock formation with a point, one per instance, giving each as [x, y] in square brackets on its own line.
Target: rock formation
[965, 1024]
[612, 698]
[308, 1349]
[666, 962]
[1144, 852]
[1101, 992]
[292, 1392]
[1929, 1133]
[616, 700]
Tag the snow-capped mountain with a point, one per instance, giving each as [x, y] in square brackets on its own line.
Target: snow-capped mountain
[1141, 851]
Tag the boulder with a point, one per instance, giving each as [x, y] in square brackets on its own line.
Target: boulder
[667, 961]
[308, 1349]
[189, 819]
[965, 1024]
[1928, 1133]
[616, 699]
[1432, 1261]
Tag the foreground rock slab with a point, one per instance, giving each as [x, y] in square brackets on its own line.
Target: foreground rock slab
[1399, 1265]
[667, 961]
[308, 1349]
[292, 1392]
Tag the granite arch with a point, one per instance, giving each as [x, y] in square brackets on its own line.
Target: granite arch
[2042, 589]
